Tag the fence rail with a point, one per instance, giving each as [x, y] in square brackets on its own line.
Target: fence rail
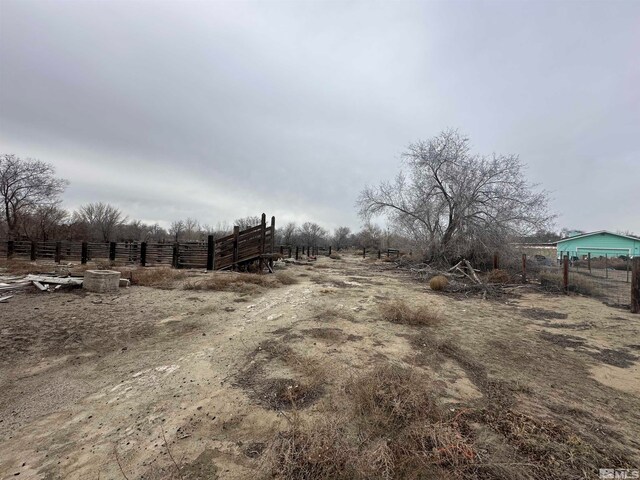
[253, 244]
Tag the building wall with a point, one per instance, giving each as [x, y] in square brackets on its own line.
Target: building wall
[599, 245]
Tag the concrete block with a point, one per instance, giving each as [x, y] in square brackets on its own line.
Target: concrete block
[124, 283]
[101, 281]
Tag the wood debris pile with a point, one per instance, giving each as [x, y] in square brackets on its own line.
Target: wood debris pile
[44, 283]
[463, 278]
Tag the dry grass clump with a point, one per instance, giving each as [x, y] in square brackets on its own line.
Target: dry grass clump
[240, 282]
[399, 312]
[389, 425]
[329, 314]
[157, 277]
[16, 266]
[288, 393]
[285, 278]
[306, 385]
[335, 256]
[498, 276]
[438, 283]
[391, 428]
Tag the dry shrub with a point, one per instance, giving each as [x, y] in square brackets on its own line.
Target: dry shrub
[317, 450]
[158, 277]
[390, 398]
[498, 276]
[438, 283]
[335, 256]
[399, 312]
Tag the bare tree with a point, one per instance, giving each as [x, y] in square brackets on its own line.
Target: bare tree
[247, 222]
[311, 233]
[191, 229]
[457, 203]
[45, 222]
[136, 230]
[102, 219]
[156, 232]
[176, 229]
[370, 236]
[288, 233]
[341, 237]
[24, 186]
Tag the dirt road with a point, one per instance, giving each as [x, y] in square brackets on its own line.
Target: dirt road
[154, 383]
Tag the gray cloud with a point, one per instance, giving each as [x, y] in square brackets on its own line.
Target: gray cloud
[218, 110]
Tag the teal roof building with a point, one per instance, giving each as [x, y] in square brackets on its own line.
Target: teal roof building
[599, 244]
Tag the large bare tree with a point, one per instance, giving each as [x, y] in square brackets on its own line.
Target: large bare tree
[44, 222]
[288, 233]
[457, 203]
[25, 185]
[311, 233]
[341, 237]
[101, 219]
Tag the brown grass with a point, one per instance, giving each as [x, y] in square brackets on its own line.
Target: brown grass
[240, 282]
[157, 277]
[390, 427]
[388, 424]
[285, 278]
[306, 385]
[24, 267]
[438, 283]
[554, 282]
[329, 314]
[399, 312]
[335, 256]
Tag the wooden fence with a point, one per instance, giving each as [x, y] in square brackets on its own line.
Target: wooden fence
[241, 247]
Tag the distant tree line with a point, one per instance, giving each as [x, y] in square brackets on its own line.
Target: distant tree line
[32, 210]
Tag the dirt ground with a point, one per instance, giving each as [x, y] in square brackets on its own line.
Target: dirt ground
[171, 383]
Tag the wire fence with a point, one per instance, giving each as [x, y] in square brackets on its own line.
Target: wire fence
[611, 284]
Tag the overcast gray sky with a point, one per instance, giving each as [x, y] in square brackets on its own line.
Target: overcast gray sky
[218, 110]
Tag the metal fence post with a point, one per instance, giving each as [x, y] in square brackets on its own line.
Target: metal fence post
[329, 250]
[58, 255]
[10, 248]
[524, 268]
[606, 265]
[589, 261]
[565, 274]
[635, 286]
[297, 248]
[33, 251]
[364, 252]
[628, 267]
[496, 261]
